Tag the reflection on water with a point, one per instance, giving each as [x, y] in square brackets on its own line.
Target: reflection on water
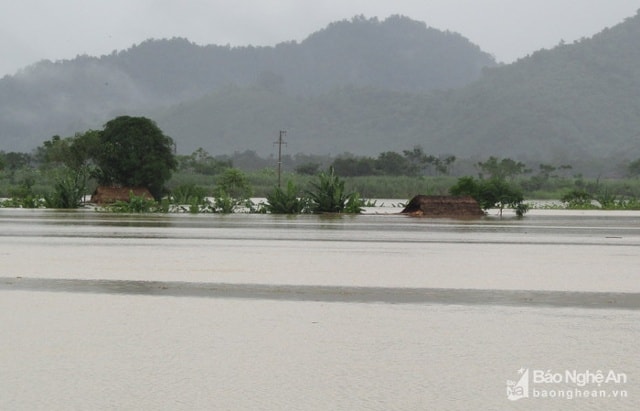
[309, 312]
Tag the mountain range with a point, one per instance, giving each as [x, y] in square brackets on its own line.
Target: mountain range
[362, 85]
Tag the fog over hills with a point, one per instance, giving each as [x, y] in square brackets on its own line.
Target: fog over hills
[68, 96]
[363, 86]
[574, 101]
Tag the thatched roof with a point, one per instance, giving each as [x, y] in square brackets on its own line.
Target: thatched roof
[443, 206]
[109, 195]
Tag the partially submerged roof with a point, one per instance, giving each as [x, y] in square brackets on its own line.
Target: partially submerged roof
[443, 206]
[109, 195]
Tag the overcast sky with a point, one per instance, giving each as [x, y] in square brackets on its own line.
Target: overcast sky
[32, 30]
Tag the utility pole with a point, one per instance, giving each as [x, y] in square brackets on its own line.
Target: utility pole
[280, 142]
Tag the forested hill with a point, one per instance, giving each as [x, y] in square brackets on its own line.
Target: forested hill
[397, 54]
[574, 102]
[364, 86]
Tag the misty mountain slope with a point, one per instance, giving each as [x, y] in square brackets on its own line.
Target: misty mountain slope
[73, 95]
[358, 120]
[57, 98]
[362, 86]
[396, 54]
[575, 100]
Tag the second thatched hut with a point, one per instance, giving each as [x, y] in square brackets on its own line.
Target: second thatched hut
[443, 206]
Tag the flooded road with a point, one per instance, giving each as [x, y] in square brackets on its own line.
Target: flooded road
[104, 311]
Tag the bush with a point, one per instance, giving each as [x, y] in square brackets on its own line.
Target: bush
[23, 202]
[577, 199]
[354, 204]
[491, 193]
[234, 183]
[136, 204]
[232, 191]
[328, 195]
[69, 189]
[188, 194]
[23, 196]
[224, 203]
[287, 201]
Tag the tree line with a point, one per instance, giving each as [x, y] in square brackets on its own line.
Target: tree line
[134, 152]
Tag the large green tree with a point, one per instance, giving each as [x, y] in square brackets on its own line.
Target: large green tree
[134, 152]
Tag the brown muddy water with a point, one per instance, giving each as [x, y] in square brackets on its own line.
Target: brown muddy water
[369, 312]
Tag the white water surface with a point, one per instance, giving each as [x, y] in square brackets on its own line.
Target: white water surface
[69, 349]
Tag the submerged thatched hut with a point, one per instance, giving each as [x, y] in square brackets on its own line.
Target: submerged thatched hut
[109, 195]
[443, 206]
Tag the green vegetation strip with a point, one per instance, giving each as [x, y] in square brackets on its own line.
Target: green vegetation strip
[344, 294]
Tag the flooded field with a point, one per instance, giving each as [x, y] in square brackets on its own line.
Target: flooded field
[104, 311]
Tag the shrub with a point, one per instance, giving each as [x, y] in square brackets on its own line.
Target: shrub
[494, 192]
[224, 203]
[23, 196]
[69, 189]
[233, 191]
[136, 204]
[577, 198]
[235, 183]
[188, 194]
[287, 201]
[354, 204]
[327, 194]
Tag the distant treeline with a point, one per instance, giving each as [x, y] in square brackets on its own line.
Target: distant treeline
[388, 175]
[414, 162]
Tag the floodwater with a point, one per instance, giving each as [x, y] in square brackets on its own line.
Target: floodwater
[370, 312]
